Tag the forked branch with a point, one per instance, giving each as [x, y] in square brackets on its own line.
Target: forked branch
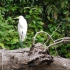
[64, 39]
[44, 33]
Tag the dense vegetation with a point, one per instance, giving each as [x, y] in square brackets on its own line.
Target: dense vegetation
[41, 15]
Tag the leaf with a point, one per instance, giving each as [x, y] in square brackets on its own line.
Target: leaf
[48, 17]
[55, 16]
[68, 19]
[62, 4]
[2, 45]
[14, 41]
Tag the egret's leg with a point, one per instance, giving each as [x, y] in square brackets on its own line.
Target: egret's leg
[21, 44]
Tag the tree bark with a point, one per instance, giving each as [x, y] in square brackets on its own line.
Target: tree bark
[35, 58]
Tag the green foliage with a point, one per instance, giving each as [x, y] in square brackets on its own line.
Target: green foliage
[7, 33]
[41, 15]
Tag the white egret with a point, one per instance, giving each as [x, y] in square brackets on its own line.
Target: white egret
[22, 27]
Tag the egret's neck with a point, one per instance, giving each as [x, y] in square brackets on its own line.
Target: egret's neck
[22, 22]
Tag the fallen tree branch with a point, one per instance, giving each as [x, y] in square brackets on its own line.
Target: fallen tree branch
[34, 58]
[24, 59]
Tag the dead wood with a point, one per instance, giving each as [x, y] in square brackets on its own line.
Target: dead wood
[35, 58]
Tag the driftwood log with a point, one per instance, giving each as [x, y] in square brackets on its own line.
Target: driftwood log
[35, 58]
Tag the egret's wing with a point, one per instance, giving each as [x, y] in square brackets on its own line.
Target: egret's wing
[22, 32]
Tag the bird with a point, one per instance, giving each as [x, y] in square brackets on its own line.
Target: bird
[22, 28]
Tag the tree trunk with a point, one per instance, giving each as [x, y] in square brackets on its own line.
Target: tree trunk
[35, 58]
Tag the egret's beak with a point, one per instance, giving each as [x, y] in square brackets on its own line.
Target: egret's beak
[16, 18]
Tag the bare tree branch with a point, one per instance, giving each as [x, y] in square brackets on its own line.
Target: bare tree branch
[44, 33]
[64, 39]
[53, 32]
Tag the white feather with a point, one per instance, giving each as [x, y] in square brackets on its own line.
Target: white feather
[22, 28]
